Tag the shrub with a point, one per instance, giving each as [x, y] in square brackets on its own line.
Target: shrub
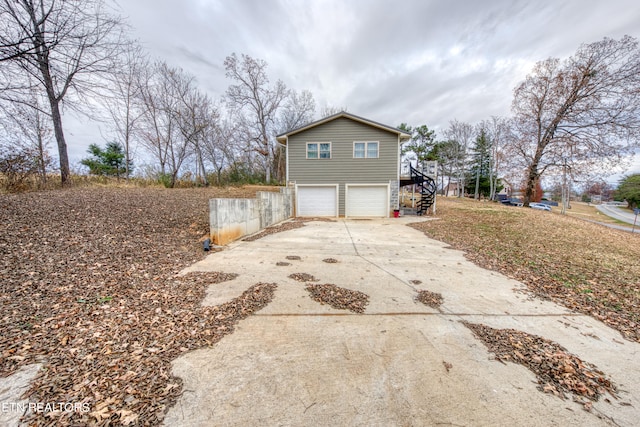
[166, 179]
[18, 168]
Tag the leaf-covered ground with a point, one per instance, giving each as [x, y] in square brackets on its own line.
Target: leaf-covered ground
[432, 299]
[586, 267]
[303, 277]
[89, 288]
[340, 298]
[558, 371]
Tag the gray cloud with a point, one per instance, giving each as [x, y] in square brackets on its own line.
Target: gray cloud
[415, 61]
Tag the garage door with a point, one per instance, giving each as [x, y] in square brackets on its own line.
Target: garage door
[369, 200]
[317, 201]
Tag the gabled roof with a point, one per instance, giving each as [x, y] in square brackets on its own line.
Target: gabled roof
[282, 138]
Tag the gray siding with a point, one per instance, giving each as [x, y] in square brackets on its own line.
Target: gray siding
[342, 167]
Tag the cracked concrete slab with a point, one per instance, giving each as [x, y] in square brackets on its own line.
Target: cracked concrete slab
[297, 362]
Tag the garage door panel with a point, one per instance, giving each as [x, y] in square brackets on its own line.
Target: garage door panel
[317, 201]
[370, 200]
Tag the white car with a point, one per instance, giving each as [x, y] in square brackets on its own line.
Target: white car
[540, 206]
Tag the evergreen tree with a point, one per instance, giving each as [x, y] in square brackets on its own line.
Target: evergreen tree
[108, 162]
[629, 190]
[422, 142]
[479, 177]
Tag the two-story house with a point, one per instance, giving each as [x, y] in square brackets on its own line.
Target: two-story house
[344, 165]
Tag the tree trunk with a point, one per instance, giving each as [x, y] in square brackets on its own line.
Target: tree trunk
[492, 183]
[62, 145]
[532, 174]
[460, 181]
[476, 194]
[532, 177]
[267, 161]
[127, 159]
[56, 117]
[202, 168]
[42, 166]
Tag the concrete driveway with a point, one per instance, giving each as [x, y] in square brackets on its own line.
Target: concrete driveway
[297, 362]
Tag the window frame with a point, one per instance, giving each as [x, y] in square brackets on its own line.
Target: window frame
[366, 149]
[318, 150]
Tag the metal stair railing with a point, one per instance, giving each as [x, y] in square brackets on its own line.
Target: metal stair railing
[427, 187]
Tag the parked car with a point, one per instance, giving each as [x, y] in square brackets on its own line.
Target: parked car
[540, 206]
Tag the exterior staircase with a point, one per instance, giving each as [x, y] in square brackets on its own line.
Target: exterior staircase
[427, 188]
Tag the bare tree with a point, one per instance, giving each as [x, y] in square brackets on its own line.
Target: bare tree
[220, 146]
[584, 110]
[462, 133]
[499, 135]
[329, 110]
[195, 116]
[175, 119]
[298, 110]
[65, 46]
[449, 157]
[156, 124]
[256, 102]
[28, 127]
[160, 132]
[124, 103]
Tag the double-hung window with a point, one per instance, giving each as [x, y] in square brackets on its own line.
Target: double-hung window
[365, 150]
[318, 150]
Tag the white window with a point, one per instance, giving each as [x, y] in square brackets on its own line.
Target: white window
[365, 150]
[318, 150]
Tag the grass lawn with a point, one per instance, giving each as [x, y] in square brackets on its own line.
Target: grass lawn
[586, 267]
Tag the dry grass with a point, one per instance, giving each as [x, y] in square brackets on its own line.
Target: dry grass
[586, 267]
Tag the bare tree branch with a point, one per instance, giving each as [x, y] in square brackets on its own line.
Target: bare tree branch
[256, 102]
[66, 46]
[583, 112]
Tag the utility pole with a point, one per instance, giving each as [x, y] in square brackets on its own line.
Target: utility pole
[565, 187]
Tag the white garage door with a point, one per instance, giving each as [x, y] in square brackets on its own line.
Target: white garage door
[317, 201]
[369, 200]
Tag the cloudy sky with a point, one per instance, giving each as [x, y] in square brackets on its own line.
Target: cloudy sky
[414, 61]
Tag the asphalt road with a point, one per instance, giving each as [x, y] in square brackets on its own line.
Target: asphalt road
[617, 213]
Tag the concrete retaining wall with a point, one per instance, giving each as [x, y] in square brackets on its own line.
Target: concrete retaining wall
[231, 219]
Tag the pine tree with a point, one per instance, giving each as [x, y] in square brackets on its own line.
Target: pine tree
[107, 162]
[479, 172]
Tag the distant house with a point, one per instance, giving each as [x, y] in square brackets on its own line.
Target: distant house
[506, 188]
[344, 165]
